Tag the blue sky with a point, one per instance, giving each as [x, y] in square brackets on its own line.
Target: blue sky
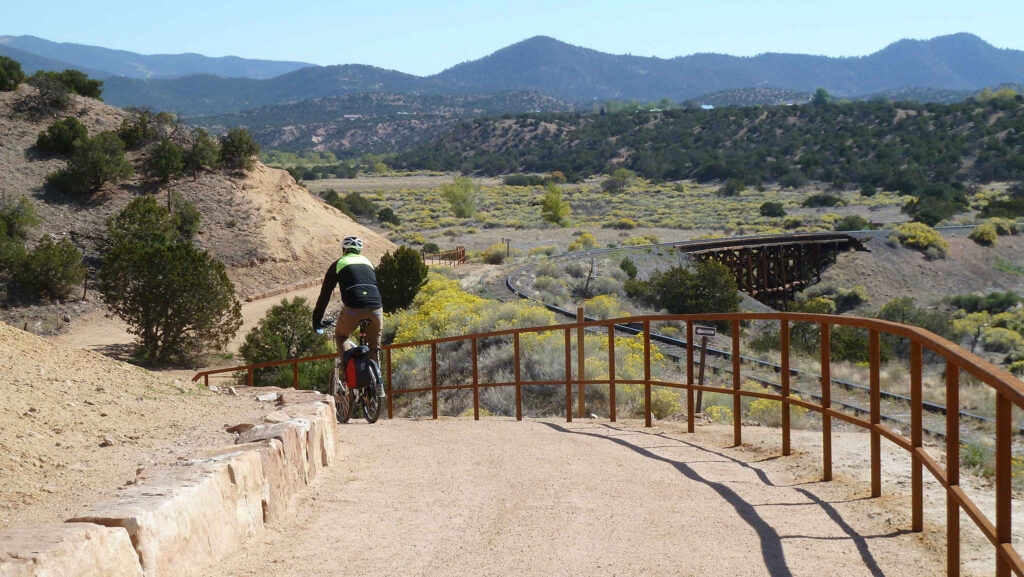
[424, 37]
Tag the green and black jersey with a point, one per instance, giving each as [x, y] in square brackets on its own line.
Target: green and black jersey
[354, 276]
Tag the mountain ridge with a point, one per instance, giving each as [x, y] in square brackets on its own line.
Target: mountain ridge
[955, 62]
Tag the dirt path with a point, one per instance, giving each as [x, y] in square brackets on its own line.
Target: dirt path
[454, 497]
[110, 336]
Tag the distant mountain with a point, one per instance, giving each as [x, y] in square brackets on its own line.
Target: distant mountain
[955, 62]
[30, 63]
[108, 62]
[206, 95]
[753, 97]
[372, 121]
[959, 62]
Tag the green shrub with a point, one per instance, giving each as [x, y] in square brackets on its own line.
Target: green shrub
[773, 209]
[1004, 226]
[285, 333]
[431, 248]
[17, 217]
[461, 195]
[50, 91]
[95, 162]
[387, 214]
[628, 267]
[166, 161]
[50, 270]
[552, 208]
[494, 254]
[709, 288]
[624, 224]
[868, 190]
[847, 299]
[793, 179]
[993, 302]
[10, 74]
[400, 275]
[732, 187]
[238, 149]
[61, 136]
[549, 284]
[1001, 340]
[1017, 368]
[852, 222]
[984, 234]
[821, 199]
[203, 154]
[185, 216]
[175, 297]
[919, 236]
[137, 130]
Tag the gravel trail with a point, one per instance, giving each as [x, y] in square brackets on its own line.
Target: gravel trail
[454, 497]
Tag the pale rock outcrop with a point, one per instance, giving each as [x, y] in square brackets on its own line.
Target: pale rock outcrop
[79, 549]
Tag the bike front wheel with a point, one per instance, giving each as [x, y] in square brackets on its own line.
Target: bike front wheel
[342, 396]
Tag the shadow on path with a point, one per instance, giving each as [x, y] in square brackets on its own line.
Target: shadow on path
[771, 542]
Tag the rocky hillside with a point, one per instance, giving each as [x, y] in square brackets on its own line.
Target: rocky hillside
[268, 230]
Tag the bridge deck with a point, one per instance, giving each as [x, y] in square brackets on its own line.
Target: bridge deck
[454, 497]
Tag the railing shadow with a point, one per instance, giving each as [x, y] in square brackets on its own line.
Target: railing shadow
[771, 541]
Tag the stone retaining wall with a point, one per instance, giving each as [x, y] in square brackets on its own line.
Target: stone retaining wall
[178, 521]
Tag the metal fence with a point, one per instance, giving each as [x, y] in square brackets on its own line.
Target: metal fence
[1009, 392]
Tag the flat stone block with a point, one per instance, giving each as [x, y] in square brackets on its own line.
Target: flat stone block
[68, 550]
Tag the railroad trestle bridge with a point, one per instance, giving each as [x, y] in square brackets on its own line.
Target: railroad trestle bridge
[773, 268]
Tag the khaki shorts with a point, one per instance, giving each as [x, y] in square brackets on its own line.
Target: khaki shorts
[348, 322]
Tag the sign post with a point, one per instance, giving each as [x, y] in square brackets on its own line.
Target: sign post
[703, 333]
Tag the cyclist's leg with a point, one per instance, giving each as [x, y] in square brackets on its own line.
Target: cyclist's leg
[343, 328]
[373, 330]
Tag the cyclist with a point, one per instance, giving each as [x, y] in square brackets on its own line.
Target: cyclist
[357, 281]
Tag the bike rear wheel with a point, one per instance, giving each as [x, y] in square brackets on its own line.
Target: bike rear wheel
[372, 402]
[342, 396]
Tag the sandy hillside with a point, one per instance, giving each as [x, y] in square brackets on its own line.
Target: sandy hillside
[268, 230]
[75, 425]
[888, 272]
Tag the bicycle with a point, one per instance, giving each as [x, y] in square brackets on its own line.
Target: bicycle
[348, 395]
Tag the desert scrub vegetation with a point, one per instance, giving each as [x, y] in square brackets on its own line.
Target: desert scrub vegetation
[919, 236]
[443, 308]
[640, 203]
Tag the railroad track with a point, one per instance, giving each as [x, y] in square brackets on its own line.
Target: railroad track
[845, 395]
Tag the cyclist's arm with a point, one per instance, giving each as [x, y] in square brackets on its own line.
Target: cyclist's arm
[330, 281]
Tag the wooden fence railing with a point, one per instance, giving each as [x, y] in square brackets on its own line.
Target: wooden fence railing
[1009, 392]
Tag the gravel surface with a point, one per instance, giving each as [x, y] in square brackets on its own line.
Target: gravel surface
[455, 497]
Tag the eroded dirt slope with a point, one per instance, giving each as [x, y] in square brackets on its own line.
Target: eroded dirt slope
[267, 229]
[75, 425]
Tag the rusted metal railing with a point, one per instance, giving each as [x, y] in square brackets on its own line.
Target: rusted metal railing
[454, 257]
[1009, 392]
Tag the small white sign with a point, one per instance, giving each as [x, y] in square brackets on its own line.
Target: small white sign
[705, 331]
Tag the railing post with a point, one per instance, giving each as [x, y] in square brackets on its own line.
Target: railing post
[647, 373]
[952, 468]
[580, 372]
[476, 384]
[519, 387]
[690, 410]
[826, 401]
[611, 373]
[737, 407]
[433, 376]
[249, 377]
[391, 389]
[568, 376]
[784, 345]
[295, 375]
[1004, 479]
[206, 381]
[916, 467]
[876, 413]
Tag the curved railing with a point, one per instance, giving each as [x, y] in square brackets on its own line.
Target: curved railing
[1009, 392]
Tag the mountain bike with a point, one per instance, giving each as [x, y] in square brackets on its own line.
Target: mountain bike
[347, 396]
